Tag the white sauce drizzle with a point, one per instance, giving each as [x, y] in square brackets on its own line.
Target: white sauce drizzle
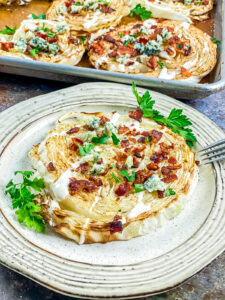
[139, 208]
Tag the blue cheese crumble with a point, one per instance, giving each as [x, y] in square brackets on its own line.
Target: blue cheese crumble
[154, 183]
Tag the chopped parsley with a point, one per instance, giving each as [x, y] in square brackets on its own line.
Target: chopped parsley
[86, 149]
[23, 200]
[120, 34]
[100, 140]
[104, 2]
[114, 177]
[112, 166]
[115, 139]
[141, 12]
[138, 188]
[82, 38]
[170, 192]
[8, 30]
[42, 16]
[161, 65]
[215, 41]
[34, 52]
[177, 122]
[126, 174]
[179, 47]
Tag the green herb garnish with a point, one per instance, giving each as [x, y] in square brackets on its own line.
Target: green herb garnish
[86, 149]
[104, 2]
[112, 166]
[141, 12]
[170, 192]
[148, 139]
[82, 38]
[198, 2]
[8, 30]
[114, 177]
[129, 177]
[179, 47]
[42, 16]
[34, 52]
[22, 200]
[215, 41]
[138, 188]
[177, 122]
[100, 140]
[51, 34]
[115, 139]
[120, 34]
[161, 64]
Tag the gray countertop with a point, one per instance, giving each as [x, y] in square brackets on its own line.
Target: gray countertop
[209, 284]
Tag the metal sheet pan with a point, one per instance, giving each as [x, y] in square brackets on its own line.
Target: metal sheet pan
[178, 89]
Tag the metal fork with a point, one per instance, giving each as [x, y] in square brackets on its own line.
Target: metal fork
[213, 152]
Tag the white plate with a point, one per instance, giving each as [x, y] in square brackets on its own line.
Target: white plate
[129, 269]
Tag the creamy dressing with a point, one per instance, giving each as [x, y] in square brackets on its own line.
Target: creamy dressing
[91, 21]
[139, 208]
[164, 74]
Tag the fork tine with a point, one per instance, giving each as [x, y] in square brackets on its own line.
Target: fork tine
[213, 145]
[214, 155]
[212, 160]
[214, 150]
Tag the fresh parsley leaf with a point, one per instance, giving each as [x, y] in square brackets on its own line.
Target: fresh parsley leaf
[129, 177]
[51, 34]
[112, 166]
[34, 52]
[141, 12]
[114, 177]
[120, 34]
[100, 140]
[42, 16]
[22, 200]
[86, 149]
[138, 188]
[161, 64]
[115, 139]
[119, 210]
[104, 2]
[170, 192]
[82, 38]
[148, 139]
[215, 41]
[176, 121]
[198, 2]
[78, 4]
[8, 30]
[179, 47]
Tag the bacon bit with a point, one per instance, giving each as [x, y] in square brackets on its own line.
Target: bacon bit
[205, 2]
[76, 185]
[96, 181]
[136, 26]
[156, 135]
[157, 157]
[135, 162]
[97, 48]
[69, 3]
[142, 175]
[153, 26]
[170, 178]
[170, 29]
[123, 129]
[174, 167]
[172, 160]
[139, 149]
[124, 167]
[123, 50]
[141, 139]
[164, 148]
[73, 146]
[127, 149]
[121, 157]
[109, 38]
[88, 128]
[187, 51]
[7, 46]
[114, 54]
[129, 63]
[136, 114]
[137, 155]
[142, 40]
[106, 9]
[169, 51]
[185, 72]
[173, 40]
[103, 120]
[160, 194]
[84, 167]
[152, 63]
[165, 171]
[52, 40]
[123, 189]
[51, 167]
[197, 162]
[73, 130]
[125, 143]
[152, 166]
[146, 133]
[116, 225]
[131, 139]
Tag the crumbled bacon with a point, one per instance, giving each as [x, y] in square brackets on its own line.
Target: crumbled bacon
[96, 181]
[146, 133]
[157, 157]
[152, 63]
[123, 189]
[106, 9]
[153, 26]
[170, 178]
[116, 225]
[187, 51]
[142, 175]
[205, 2]
[164, 148]
[109, 38]
[73, 130]
[137, 155]
[141, 139]
[125, 143]
[75, 141]
[172, 160]
[97, 48]
[160, 194]
[121, 157]
[51, 167]
[114, 54]
[103, 120]
[153, 166]
[156, 135]
[197, 162]
[136, 114]
[142, 40]
[139, 149]
[76, 185]
[123, 129]
[84, 167]
[136, 26]
[6, 46]
[169, 51]
[165, 171]
[52, 40]
[185, 72]
[123, 50]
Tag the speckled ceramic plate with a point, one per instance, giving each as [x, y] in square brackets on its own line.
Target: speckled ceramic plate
[130, 269]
